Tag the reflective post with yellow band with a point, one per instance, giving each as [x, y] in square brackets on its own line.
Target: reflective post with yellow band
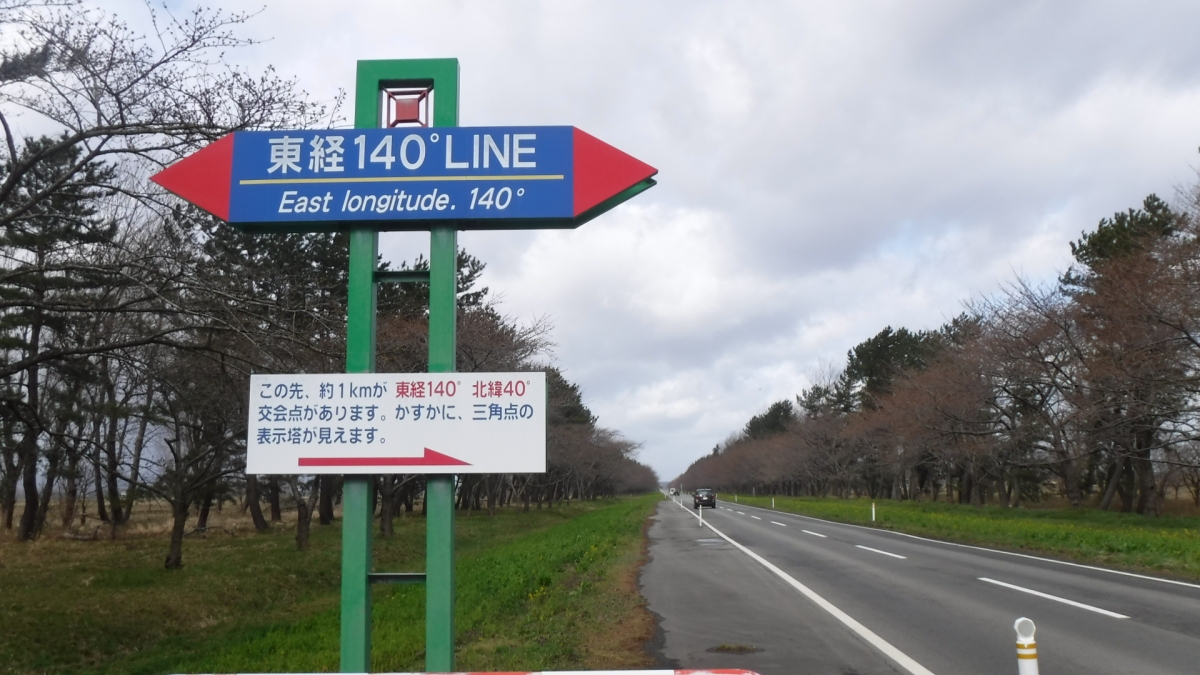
[1026, 647]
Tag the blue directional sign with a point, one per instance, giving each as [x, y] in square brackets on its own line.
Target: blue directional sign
[482, 177]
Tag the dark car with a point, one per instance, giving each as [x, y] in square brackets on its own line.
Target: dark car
[704, 497]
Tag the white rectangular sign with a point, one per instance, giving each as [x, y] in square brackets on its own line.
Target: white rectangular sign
[366, 423]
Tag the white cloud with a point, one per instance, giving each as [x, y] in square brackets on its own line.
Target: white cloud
[826, 168]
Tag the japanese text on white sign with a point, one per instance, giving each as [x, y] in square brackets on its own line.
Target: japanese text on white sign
[397, 423]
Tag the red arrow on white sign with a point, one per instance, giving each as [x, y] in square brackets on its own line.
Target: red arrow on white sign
[430, 458]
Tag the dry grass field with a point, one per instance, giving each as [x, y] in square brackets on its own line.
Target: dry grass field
[552, 588]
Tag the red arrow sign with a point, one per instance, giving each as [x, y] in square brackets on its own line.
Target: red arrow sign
[602, 171]
[479, 178]
[203, 178]
[431, 458]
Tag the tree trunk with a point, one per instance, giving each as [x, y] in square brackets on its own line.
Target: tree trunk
[256, 514]
[1148, 496]
[179, 512]
[205, 509]
[387, 508]
[8, 487]
[273, 499]
[325, 505]
[303, 522]
[28, 447]
[410, 492]
[1110, 487]
[135, 468]
[1126, 486]
[101, 511]
[25, 531]
[71, 496]
[52, 469]
[1071, 482]
[112, 451]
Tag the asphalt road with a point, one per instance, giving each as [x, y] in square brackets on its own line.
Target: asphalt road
[920, 606]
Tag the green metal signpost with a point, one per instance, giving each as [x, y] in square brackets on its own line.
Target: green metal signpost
[259, 181]
[357, 501]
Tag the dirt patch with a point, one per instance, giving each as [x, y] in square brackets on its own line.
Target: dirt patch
[627, 625]
[733, 649]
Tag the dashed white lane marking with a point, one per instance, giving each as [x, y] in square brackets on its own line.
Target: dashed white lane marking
[779, 524]
[815, 534]
[756, 517]
[742, 512]
[1065, 601]
[903, 660]
[875, 550]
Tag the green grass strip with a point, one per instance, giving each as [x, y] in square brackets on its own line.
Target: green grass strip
[1164, 545]
[532, 589]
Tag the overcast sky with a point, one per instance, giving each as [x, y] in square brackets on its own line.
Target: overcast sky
[825, 169]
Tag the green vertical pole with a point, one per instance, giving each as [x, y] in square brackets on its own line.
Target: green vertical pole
[443, 353]
[439, 490]
[358, 503]
[357, 500]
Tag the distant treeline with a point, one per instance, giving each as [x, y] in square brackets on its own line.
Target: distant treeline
[1088, 388]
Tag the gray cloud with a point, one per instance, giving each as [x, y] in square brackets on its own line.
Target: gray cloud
[826, 168]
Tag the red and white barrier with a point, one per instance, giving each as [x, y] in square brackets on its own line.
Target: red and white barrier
[717, 671]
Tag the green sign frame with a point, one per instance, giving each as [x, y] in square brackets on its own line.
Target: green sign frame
[357, 499]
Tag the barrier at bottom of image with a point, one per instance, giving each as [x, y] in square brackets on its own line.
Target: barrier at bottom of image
[706, 671]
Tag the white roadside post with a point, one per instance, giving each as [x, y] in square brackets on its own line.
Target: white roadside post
[1026, 647]
[772, 502]
[701, 510]
[872, 512]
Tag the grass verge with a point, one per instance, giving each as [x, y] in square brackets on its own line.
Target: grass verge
[535, 590]
[1165, 545]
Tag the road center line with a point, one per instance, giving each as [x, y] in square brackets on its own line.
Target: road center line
[903, 660]
[756, 517]
[815, 534]
[875, 550]
[779, 524]
[742, 512]
[1065, 601]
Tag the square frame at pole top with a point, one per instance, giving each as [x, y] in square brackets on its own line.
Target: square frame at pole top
[374, 76]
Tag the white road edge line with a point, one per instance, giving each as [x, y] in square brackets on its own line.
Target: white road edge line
[815, 534]
[903, 660]
[779, 524]
[875, 550]
[1065, 601]
[756, 517]
[989, 550]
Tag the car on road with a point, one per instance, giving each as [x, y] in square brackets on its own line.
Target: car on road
[672, 492]
[704, 497]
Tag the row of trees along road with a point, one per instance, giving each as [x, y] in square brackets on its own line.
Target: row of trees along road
[1088, 388]
[129, 323]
